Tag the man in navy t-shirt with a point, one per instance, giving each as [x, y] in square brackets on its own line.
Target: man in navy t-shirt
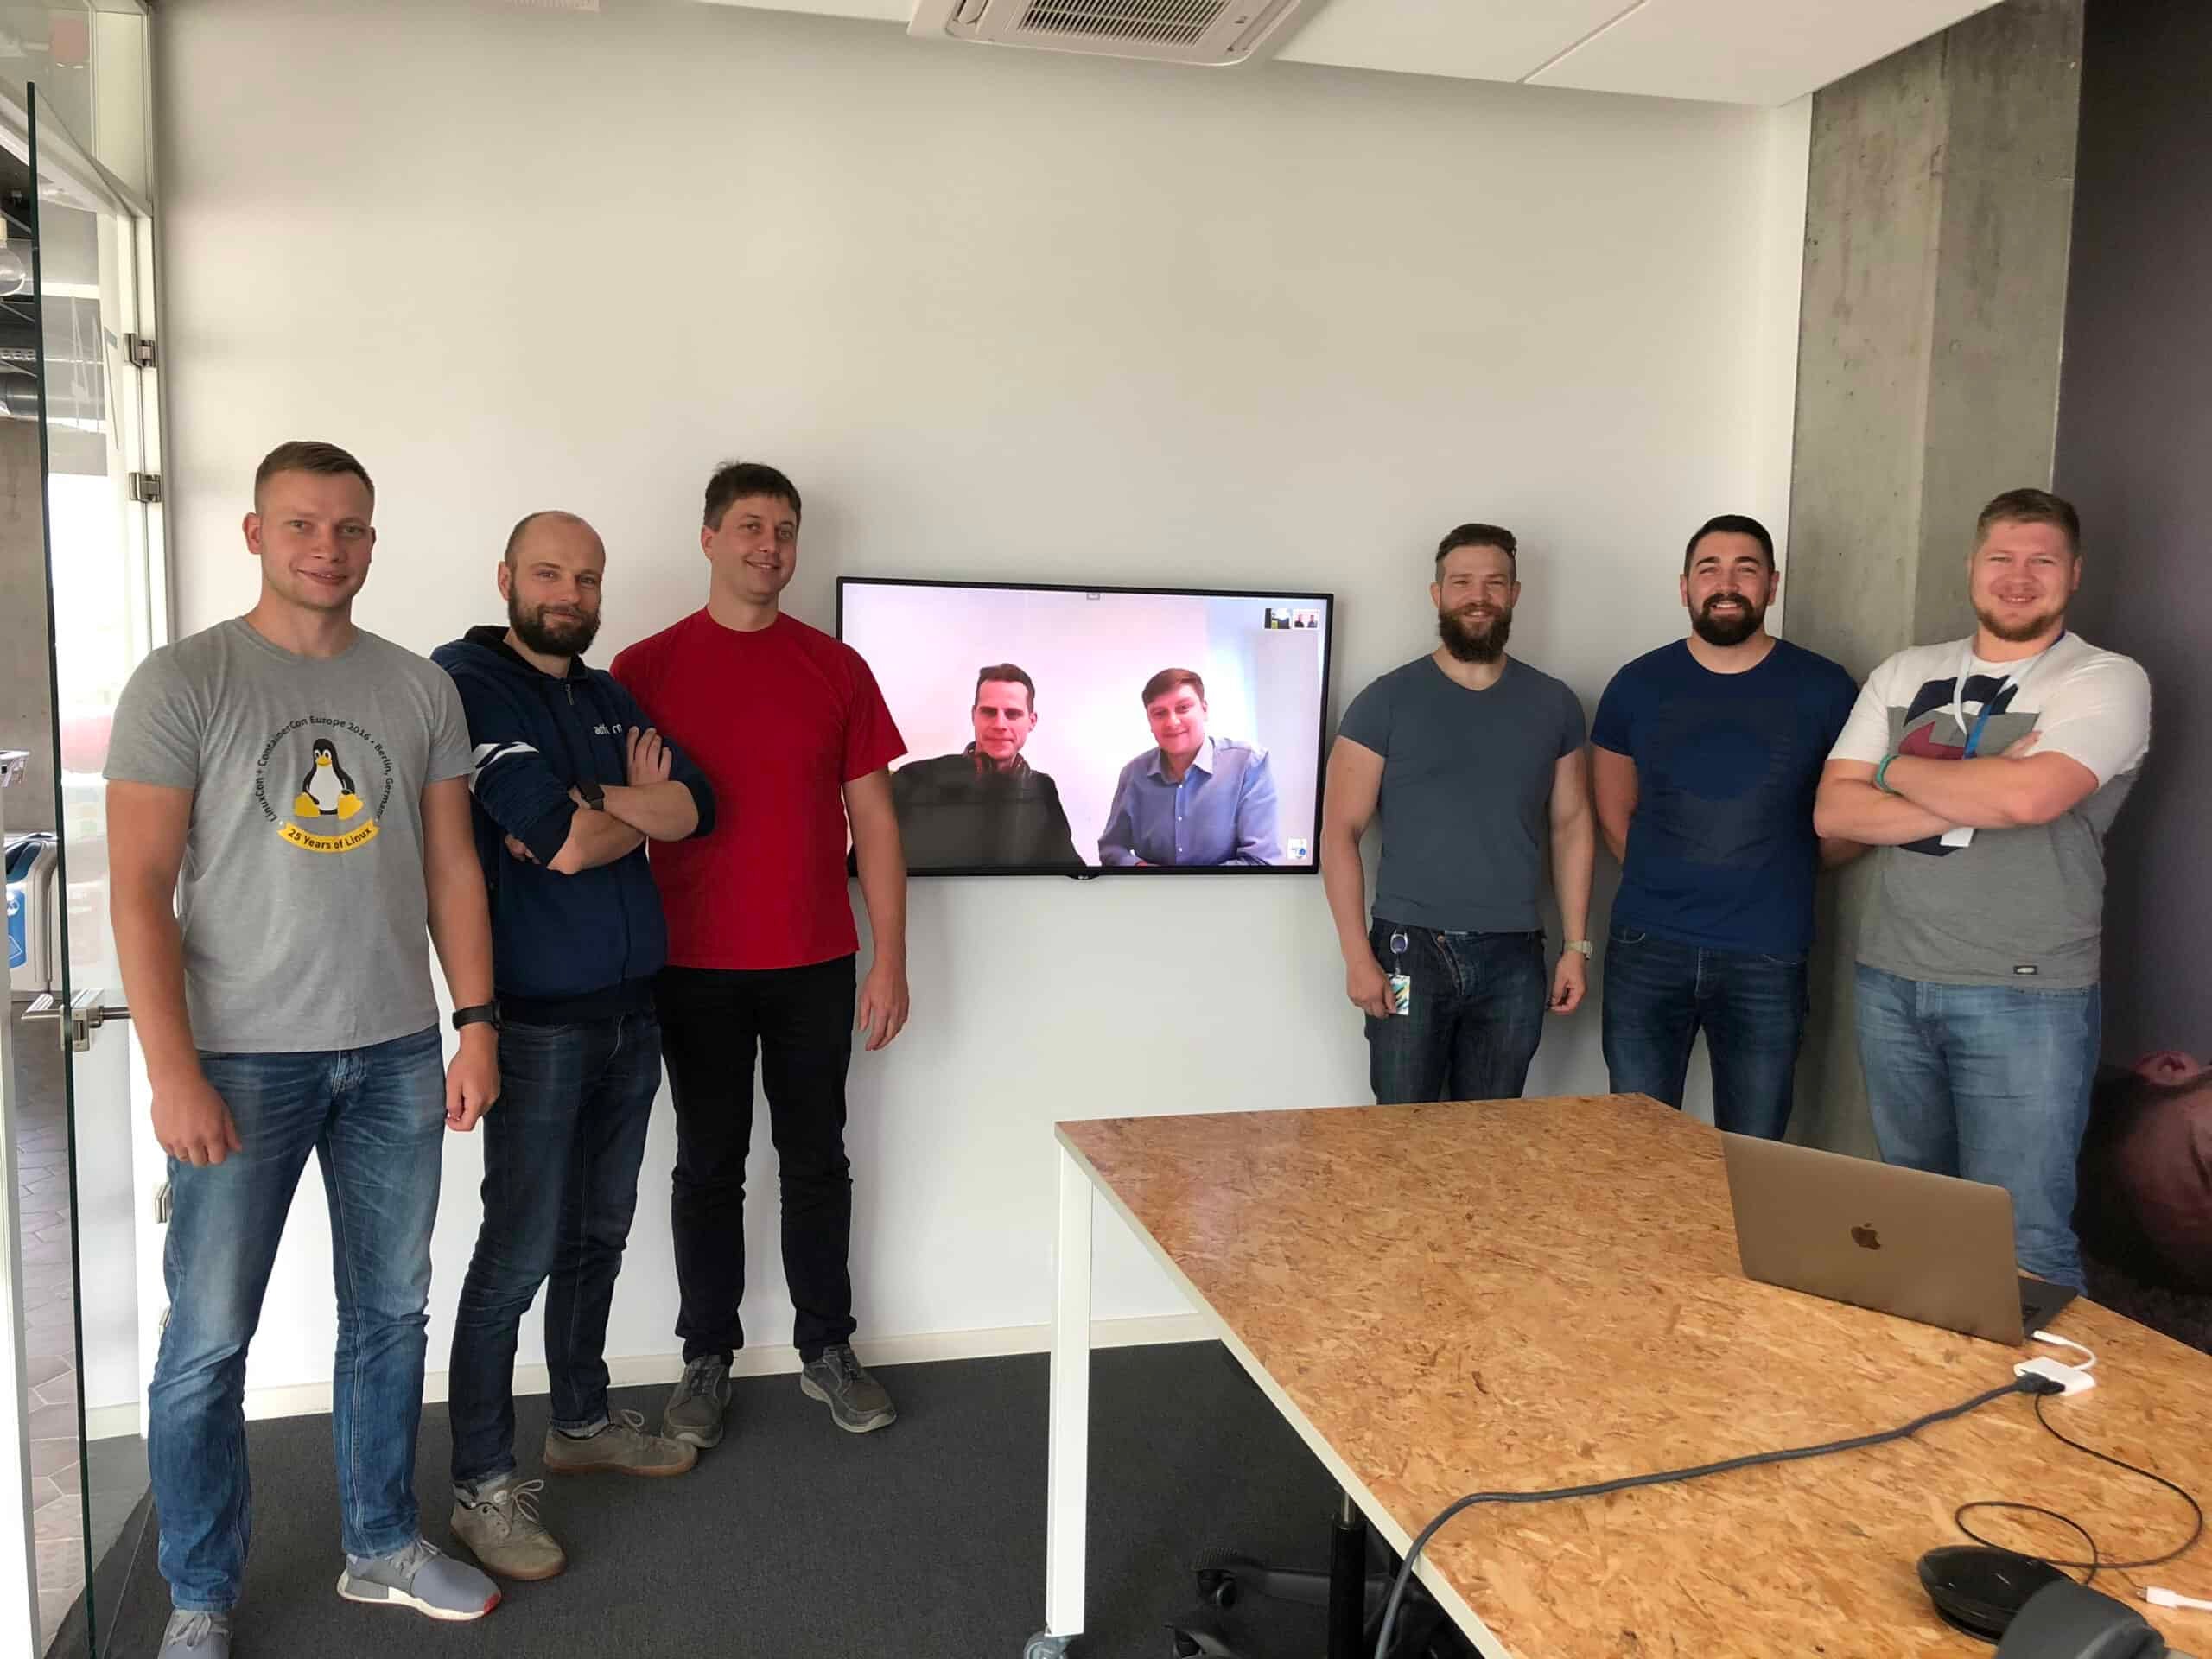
[1707, 754]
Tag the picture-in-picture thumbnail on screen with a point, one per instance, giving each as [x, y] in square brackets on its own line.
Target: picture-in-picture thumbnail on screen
[1063, 729]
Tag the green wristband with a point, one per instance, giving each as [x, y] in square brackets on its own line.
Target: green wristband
[1882, 775]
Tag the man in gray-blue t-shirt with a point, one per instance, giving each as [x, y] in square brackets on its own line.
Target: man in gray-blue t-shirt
[1473, 763]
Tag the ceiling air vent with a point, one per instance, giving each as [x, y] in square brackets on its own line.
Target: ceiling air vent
[1173, 31]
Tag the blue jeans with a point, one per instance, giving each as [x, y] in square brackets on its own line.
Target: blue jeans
[560, 1156]
[1991, 1083]
[1751, 1006]
[1477, 1015]
[375, 1119]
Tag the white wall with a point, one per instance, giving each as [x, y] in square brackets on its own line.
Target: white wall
[1003, 315]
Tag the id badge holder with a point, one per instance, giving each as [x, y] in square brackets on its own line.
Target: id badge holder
[1401, 984]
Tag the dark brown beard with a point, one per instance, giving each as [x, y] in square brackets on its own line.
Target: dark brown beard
[1471, 642]
[529, 628]
[1724, 634]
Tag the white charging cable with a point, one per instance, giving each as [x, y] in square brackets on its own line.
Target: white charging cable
[2158, 1596]
[2089, 1360]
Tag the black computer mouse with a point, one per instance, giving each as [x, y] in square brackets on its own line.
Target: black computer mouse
[1978, 1589]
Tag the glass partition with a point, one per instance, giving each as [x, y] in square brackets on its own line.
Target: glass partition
[76, 473]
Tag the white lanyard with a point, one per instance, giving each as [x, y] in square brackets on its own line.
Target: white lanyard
[1970, 738]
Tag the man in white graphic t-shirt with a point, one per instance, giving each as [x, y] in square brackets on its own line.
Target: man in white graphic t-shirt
[1987, 771]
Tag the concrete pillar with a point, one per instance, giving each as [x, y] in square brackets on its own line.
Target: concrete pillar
[1938, 209]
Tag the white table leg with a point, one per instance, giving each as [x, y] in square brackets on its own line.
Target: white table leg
[1068, 1479]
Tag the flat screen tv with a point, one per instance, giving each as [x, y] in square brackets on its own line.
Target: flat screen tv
[1098, 731]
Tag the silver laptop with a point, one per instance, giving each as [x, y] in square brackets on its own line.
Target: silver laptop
[1929, 1248]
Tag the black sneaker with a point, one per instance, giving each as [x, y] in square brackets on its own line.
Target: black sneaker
[695, 1409]
[856, 1401]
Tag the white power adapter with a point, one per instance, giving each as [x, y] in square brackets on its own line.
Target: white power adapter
[2072, 1378]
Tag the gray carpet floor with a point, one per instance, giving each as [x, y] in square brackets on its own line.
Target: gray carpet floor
[925, 1540]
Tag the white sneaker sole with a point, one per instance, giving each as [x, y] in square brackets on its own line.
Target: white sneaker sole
[385, 1596]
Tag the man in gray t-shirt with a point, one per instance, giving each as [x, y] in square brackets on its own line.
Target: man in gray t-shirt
[1987, 771]
[1472, 762]
[288, 810]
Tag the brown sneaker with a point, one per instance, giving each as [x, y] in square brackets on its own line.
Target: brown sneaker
[500, 1524]
[621, 1447]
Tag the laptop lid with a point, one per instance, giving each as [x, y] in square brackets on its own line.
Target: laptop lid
[1924, 1247]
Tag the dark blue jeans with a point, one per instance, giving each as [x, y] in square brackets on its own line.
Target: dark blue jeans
[561, 1155]
[1991, 1083]
[375, 1118]
[1660, 994]
[1477, 1015]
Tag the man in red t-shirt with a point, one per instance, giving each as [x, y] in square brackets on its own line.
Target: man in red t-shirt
[792, 734]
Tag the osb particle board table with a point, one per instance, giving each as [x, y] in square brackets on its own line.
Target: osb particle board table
[1517, 1294]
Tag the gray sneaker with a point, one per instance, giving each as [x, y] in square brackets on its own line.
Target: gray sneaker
[856, 1401]
[695, 1409]
[498, 1522]
[420, 1577]
[196, 1636]
[621, 1447]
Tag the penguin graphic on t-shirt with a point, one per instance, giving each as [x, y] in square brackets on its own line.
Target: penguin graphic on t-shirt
[327, 792]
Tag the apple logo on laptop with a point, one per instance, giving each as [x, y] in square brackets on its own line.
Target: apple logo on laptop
[1866, 1238]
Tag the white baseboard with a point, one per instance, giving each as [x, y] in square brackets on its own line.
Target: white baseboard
[302, 1399]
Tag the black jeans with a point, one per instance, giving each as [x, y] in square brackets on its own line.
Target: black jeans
[561, 1155]
[800, 1021]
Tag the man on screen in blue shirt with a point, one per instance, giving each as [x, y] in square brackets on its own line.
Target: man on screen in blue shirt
[1192, 800]
[1707, 754]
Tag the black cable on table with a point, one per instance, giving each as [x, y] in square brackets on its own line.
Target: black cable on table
[2097, 1561]
[2035, 1385]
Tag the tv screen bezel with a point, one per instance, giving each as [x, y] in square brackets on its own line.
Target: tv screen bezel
[1327, 603]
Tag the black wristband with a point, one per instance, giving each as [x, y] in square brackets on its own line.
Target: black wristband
[484, 1013]
[594, 797]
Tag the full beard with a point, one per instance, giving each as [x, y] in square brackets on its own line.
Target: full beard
[555, 636]
[1728, 630]
[1474, 641]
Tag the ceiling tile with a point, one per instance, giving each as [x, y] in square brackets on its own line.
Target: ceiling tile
[1484, 40]
[1748, 51]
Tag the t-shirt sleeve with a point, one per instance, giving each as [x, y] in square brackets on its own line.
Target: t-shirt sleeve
[1367, 722]
[872, 740]
[1573, 730]
[450, 755]
[2099, 715]
[1839, 698]
[1613, 729]
[1866, 734]
[155, 737]
[627, 670]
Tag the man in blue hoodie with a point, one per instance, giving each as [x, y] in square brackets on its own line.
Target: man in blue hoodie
[569, 784]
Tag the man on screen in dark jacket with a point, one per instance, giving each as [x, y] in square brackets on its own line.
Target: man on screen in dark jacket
[570, 784]
[986, 807]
